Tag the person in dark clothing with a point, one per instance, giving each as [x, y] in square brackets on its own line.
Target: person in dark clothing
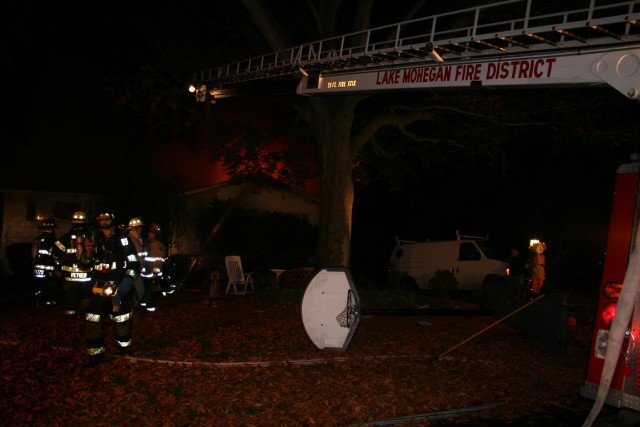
[517, 263]
[115, 268]
[45, 265]
[152, 265]
[75, 275]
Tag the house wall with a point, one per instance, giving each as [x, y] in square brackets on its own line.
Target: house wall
[23, 211]
[251, 197]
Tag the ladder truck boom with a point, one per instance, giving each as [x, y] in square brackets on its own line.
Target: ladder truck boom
[617, 67]
[511, 43]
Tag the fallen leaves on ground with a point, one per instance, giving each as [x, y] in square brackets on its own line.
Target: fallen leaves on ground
[248, 362]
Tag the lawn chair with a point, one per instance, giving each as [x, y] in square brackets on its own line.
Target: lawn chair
[237, 276]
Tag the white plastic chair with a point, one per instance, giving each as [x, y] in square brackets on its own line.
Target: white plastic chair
[237, 276]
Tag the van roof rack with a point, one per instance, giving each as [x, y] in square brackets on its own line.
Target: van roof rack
[466, 236]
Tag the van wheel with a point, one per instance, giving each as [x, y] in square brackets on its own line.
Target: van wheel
[409, 283]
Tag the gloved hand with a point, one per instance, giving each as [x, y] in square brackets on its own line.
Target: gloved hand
[122, 290]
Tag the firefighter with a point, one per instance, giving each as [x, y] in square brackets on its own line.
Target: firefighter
[76, 276]
[115, 269]
[155, 254]
[44, 264]
[134, 231]
[537, 267]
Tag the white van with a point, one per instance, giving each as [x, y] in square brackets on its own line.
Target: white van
[469, 258]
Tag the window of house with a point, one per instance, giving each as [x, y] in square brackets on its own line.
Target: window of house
[31, 210]
[65, 210]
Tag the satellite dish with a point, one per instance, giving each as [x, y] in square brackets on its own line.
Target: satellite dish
[331, 309]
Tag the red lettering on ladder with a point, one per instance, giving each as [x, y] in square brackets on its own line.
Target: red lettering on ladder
[468, 72]
[387, 77]
[524, 69]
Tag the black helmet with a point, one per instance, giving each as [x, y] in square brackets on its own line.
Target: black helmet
[48, 224]
[105, 220]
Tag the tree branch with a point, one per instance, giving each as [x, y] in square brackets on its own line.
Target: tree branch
[389, 118]
[469, 113]
[264, 21]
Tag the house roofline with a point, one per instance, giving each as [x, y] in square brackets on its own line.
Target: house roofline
[245, 183]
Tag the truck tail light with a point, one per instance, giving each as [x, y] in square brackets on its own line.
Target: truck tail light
[611, 294]
[608, 313]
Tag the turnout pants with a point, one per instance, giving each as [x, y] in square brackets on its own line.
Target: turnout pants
[101, 308]
[74, 293]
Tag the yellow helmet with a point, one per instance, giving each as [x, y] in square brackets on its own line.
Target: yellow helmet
[79, 218]
[135, 222]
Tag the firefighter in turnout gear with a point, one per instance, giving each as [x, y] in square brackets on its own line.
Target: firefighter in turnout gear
[115, 268]
[536, 266]
[76, 275]
[155, 254]
[44, 264]
[134, 231]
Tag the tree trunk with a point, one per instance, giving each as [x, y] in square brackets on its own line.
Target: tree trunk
[330, 119]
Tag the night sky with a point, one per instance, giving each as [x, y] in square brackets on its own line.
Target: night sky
[71, 79]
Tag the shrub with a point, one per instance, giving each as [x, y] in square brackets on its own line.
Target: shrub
[507, 291]
[401, 280]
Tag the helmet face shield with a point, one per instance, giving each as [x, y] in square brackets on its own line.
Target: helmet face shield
[48, 224]
[105, 220]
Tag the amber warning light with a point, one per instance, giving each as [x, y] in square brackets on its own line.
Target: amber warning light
[612, 290]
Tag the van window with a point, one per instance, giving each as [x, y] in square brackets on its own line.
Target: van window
[468, 252]
[489, 250]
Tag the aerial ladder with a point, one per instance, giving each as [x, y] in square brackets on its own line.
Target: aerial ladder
[500, 45]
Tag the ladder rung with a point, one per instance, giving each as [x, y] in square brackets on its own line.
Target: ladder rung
[467, 47]
[513, 41]
[542, 39]
[573, 36]
[491, 45]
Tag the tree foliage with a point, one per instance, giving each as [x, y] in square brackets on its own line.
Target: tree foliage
[262, 155]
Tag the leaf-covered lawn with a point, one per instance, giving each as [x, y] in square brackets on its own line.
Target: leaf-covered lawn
[248, 362]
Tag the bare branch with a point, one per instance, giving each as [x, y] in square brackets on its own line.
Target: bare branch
[311, 5]
[401, 117]
[468, 113]
[362, 18]
[415, 8]
[263, 19]
[421, 138]
[389, 118]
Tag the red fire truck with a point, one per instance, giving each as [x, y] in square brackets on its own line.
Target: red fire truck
[624, 391]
